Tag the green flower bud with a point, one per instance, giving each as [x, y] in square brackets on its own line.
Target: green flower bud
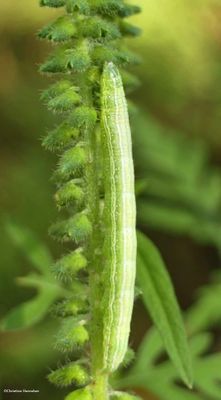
[56, 89]
[72, 335]
[76, 228]
[69, 374]
[80, 6]
[98, 28]
[56, 63]
[61, 137]
[80, 394]
[129, 29]
[102, 54]
[66, 59]
[61, 30]
[114, 7]
[70, 307]
[129, 9]
[64, 102]
[52, 3]
[107, 7]
[68, 193]
[61, 96]
[71, 161]
[78, 59]
[83, 117]
[69, 265]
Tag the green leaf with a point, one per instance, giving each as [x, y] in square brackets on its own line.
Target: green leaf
[41, 282]
[162, 217]
[205, 313]
[149, 350]
[200, 344]
[35, 251]
[48, 290]
[160, 300]
[29, 313]
[182, 192]
[34, 310]
[206, 370]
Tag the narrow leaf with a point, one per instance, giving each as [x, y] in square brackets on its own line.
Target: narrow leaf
[160, 300]
[28, 313]
[35, 251]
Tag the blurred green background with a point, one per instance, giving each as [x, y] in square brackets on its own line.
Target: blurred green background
[177, 147]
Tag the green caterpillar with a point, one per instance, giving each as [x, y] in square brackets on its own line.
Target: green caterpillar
[95, 167]
[119, 219]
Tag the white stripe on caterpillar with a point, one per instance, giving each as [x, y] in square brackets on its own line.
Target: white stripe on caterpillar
[119, 253]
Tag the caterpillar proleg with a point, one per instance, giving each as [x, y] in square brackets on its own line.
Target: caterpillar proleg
[119, 218]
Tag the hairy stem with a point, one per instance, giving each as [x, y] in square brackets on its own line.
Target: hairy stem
[88, 36]
[100, 387]
[92, 139]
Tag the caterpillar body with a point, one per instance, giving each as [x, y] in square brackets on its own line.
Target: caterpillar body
[119, 254]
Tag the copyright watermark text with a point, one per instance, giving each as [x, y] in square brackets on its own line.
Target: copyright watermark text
[21, 390]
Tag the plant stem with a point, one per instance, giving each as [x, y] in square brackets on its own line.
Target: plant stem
[99, 378]
[100, 387]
